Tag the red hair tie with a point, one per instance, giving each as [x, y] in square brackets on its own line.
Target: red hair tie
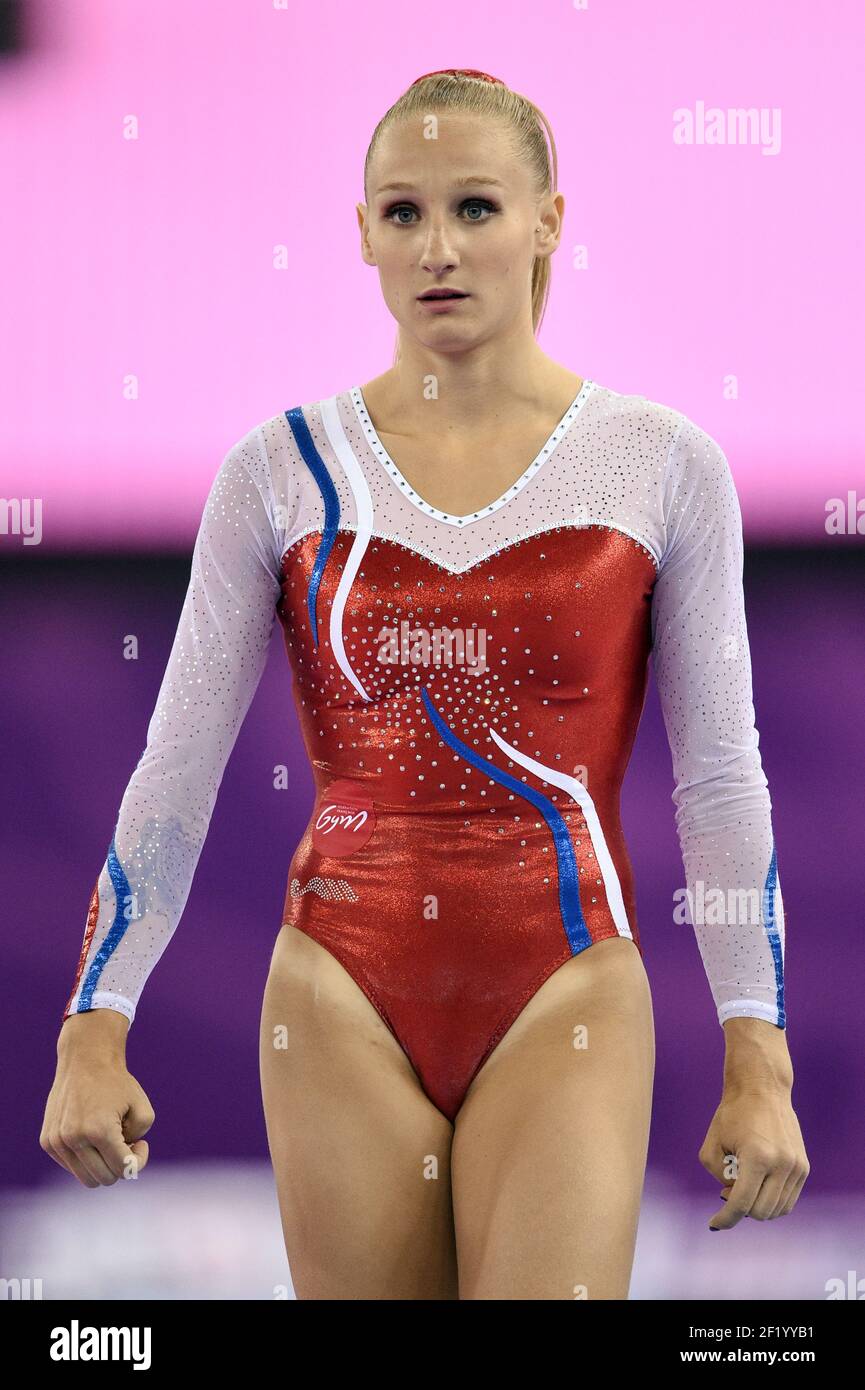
[460, 72]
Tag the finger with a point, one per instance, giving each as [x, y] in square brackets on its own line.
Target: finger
[89, 1155]
[52, 1152]
[71, 1162]
[89, 1159]
[787, 1181]
[139, 1152]
[117, 1156]
[791, 1198]
[137, 1121]
[784, 1197]
[752, 1170]
[719, 1163]
[768, 1199]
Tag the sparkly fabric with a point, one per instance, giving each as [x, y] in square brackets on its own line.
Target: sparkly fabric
[325, 888]
[89, 929]
[468, 690]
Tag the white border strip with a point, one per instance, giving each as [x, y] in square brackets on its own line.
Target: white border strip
[363, 505]
[579, 793]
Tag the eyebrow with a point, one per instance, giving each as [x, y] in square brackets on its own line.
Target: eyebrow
[472, 178]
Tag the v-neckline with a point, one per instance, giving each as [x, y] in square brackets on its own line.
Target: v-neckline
[546, 449]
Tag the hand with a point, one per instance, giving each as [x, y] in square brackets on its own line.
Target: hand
[754, 1147]
[96, 1111]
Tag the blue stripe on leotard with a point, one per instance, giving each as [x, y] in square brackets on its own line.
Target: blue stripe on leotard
[569, 888]
[116, 933]
[774, 935]
[306, 445]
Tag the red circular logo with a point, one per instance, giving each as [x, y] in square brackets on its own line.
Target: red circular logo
[344, 820]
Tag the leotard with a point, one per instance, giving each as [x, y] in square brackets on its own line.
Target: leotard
[468, 690]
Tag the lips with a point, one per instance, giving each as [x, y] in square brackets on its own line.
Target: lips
[443, 294]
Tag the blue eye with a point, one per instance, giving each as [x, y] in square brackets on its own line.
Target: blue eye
[480, 203]
[483, 203]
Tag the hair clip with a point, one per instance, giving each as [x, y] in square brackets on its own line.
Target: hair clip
[460, 72]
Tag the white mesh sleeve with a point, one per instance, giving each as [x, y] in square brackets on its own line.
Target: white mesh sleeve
[702, 666]
[216, 660]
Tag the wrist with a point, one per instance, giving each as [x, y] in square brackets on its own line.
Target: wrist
[757, 1056]
[102, 1030]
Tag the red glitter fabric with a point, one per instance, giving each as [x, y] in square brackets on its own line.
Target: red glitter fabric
[457, 919]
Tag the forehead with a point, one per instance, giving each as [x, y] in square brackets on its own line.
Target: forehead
[464, 147]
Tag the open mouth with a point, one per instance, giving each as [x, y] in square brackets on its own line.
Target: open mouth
[443, 294]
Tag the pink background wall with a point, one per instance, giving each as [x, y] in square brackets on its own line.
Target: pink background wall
[153, 258]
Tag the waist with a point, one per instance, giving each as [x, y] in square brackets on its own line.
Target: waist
[346, 820]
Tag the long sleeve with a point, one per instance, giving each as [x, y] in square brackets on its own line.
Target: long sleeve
[217, 657]
[702, 667]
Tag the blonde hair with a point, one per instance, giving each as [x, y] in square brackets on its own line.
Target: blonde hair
[468, 90]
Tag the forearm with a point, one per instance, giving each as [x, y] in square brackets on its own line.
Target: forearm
[757, 1056]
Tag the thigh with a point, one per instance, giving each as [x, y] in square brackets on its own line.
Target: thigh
[549, 1149]
[361, 1157]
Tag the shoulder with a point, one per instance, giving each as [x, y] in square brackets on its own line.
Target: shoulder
[699, 503]
[689, 475]
[679, 438]
[277, 433]
[271, 453]
[634, 427]
[694, 463]
[265, 449]
[697, 478]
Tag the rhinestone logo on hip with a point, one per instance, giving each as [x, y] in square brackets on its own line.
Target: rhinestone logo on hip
[344, 821]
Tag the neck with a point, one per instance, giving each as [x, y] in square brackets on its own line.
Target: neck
[494, 383]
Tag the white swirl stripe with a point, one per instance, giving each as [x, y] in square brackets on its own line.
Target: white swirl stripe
[363, 506]
[575, 788]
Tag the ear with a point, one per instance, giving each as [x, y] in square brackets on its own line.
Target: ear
[365, 248]
[549, 231]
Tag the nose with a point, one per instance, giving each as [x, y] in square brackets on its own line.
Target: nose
[438, 250]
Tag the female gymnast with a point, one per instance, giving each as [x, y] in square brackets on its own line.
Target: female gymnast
[472, 557]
